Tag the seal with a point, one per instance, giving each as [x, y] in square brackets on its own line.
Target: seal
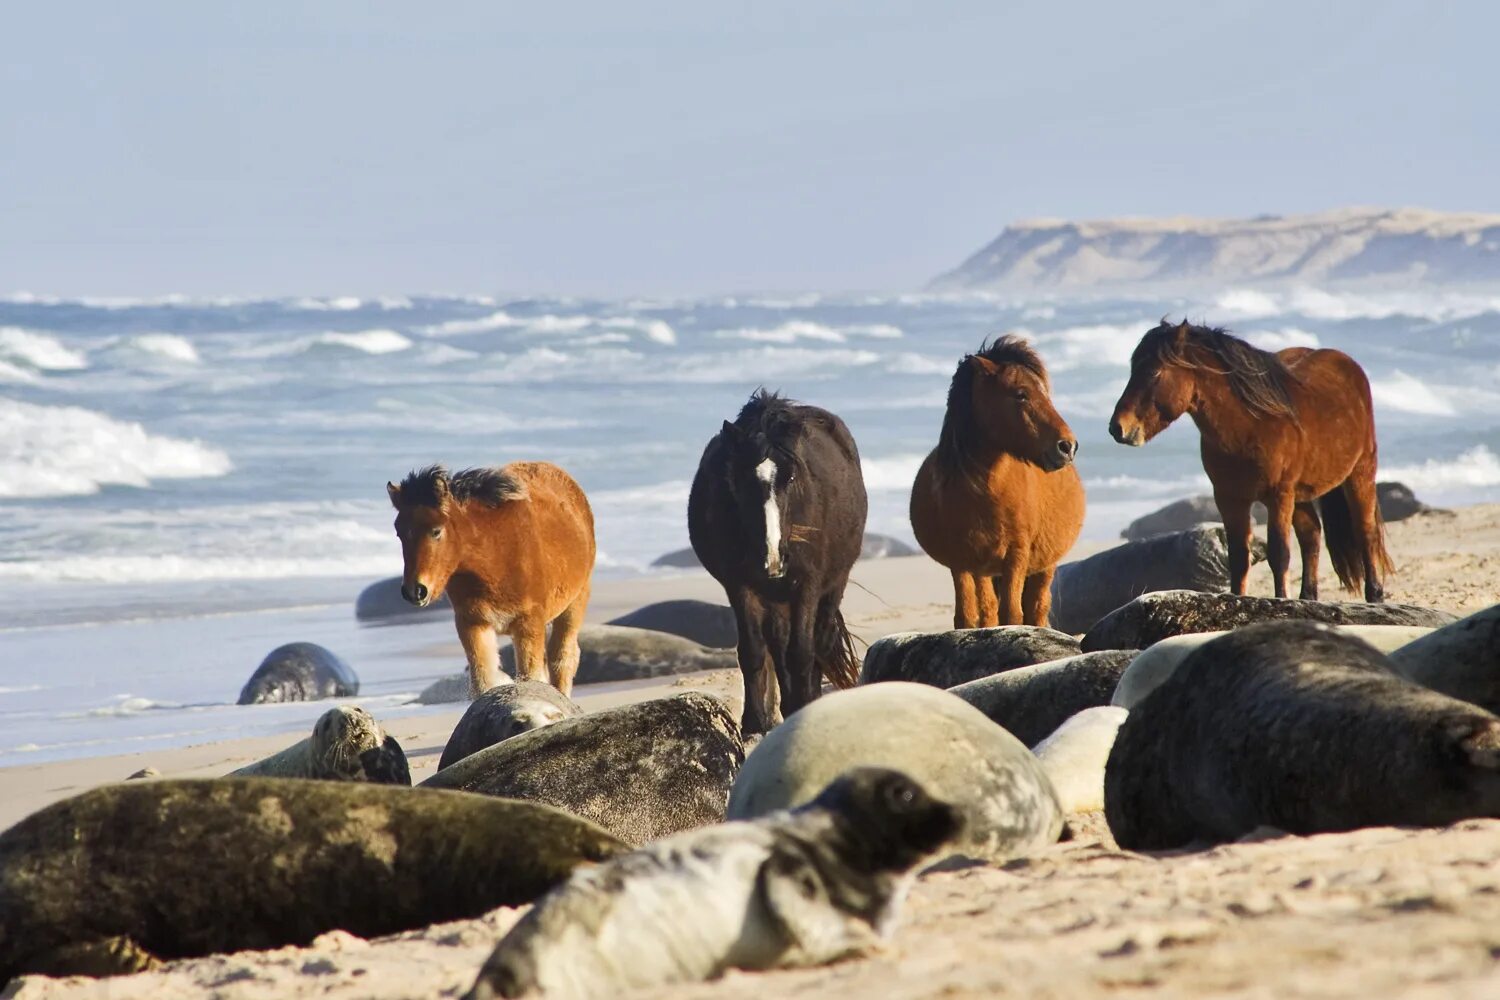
[1031, 702]
[503, 712]
[1151, 618]
[1183, 515]
[1075, 755]
[299, 671]
[110, 880]
[1295, 726]
[640, 771]
[797, 888]
[1197, 559]
[936, 738]
[1461, 660]
[617, 653]
[346, 744]
[707, 624]
[381, 603]
[945, 659]
[1158, 662]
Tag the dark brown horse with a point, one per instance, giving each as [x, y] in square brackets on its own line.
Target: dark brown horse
[1294, 430]
[514, 548]
[998, 501]
[777, 515]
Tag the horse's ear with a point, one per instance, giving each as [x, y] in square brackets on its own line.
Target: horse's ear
[730, 432]
[440, 490]
[394, 492]
[984, 365]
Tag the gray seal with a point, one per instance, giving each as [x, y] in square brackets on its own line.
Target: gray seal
[113, 879]
[617, 653]
[707, 624]
[381, 603]
[1075, 755]
[1461, 660]
[935, 737]
[1151, 618]
[299, 671]
[945, 659]
[1197, 559]
[1030, 702]
[640, 771]
[506, 711]
[1182, 515]
[1295, 726]
[346, 744]
[799, 888]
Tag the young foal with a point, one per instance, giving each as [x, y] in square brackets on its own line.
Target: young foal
[999, 496]
[777, 515]
[1294, 430]
[514, 548]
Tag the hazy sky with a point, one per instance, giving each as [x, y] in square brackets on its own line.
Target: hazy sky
[676, 147]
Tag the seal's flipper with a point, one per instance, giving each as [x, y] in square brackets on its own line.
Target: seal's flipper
[386, 764]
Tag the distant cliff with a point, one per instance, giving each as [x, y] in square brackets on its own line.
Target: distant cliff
[1356, 245]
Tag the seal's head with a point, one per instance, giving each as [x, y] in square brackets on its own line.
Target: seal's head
[895, 822]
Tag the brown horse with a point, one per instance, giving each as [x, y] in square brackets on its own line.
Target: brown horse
[999, 496]
[1294, 430]
[514, 548]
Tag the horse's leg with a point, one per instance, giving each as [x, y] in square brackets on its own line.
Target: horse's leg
[1279, 507]
[965, 600]
[529, 639]
[1036, 601]
[762, 709]
[1236, 515]
[1364, 511]
[805, 680]
[1007, 591]
[482, 650]
[775, 626]
[562, 644]
[1309, 528]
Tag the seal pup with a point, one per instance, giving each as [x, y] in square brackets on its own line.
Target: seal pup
[503, 712]
[797, 888]
[299, 671]
[1075, 754]
[112, 879]
[1296, 726]
[945, 659]
[346, 744]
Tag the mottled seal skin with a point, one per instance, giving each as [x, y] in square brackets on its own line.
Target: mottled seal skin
[1151, 618]
[707, 624]
[506, 711]
[641, 771]
[381, 603]
[346, 744]
[1075, 755]
[617, 653]
[793, 889]
[1183, 515]
[1461, 660]
[935, 737]
[1030, 702]
[1197, 559]
[1295, 726]
[946, 659]
[1158, 662]
[103, 882]
[299, 671]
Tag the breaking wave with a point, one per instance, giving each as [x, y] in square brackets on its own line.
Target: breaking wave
[38, 351]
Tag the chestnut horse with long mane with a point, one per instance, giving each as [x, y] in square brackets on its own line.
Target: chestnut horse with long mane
[1294, 430]
[999, 501]
[514, 548]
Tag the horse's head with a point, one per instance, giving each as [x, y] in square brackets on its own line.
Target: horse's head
[424, 504]
[1002, 394]
[760, 476]
[1161, 386]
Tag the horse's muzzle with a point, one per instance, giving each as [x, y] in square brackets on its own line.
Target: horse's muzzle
[1061, 455]
[416, 595]
[1134, 439]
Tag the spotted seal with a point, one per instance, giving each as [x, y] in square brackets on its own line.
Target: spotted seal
[110, 880]
[1296, 726]
[793, 889]
[346, 744]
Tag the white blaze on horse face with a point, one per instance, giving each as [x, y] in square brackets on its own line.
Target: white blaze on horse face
[766, 473]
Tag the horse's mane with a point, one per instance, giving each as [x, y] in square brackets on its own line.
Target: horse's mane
[1259, 379]
[491, 487]
[772, 423]
[954, 443]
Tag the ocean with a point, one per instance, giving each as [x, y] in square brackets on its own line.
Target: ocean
[163, 461]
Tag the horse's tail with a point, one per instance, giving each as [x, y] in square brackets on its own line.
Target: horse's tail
[1346, 544]
[836, 656]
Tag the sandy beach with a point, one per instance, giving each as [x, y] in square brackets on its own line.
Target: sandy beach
[1387, 912]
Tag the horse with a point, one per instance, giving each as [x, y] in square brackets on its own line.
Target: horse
[777, 515]
[514, 548]
[998, 501]
[1294, 430]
